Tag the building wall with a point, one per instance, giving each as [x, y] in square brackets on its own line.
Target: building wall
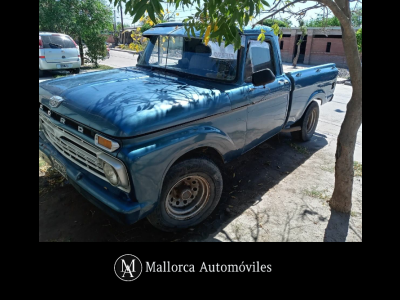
[319, 55]
[287, 51]
[110, 39]
[316, 47]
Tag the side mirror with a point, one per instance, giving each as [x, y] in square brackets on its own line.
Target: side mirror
[263, 77]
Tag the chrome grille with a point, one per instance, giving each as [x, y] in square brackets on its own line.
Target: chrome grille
[74, 148]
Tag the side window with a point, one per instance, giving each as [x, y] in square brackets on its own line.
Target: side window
[164, 47]
[158, 52]
[175, 52]
[259, 57]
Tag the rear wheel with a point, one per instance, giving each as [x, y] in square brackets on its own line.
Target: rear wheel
[308, 123]
[191, 191]
[76, 71]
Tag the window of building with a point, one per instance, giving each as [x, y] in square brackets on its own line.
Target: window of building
[281, 45]
[328, 47]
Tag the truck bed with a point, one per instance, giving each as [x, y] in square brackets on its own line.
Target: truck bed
[318, 82]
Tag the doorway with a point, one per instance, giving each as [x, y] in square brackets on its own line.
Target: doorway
[302, 49]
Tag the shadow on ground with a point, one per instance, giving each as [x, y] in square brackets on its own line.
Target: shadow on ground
[64, 215]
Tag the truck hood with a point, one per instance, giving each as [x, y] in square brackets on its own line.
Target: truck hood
[131, 101]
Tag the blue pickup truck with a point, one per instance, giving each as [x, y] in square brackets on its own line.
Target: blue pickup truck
[150, 141]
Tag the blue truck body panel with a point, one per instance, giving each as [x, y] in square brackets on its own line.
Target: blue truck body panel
[158, 117]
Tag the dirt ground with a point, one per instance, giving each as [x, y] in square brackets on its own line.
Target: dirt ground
[277, 192]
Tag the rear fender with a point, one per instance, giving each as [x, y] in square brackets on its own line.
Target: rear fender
[318, 96]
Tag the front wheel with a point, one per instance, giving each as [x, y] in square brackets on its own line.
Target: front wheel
[192, 189]
[308, 123]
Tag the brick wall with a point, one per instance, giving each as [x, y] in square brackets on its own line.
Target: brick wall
[317, 55]
[110, 39]
[320, 56]
[286, 52]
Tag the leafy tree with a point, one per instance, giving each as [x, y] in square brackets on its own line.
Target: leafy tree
[82, 20]
[281, 23]
[55, 16]
[356, 18]
[219, 19]
[96, 48]
[323, 22]
[145, 27]
[304, 32]
[139, 42]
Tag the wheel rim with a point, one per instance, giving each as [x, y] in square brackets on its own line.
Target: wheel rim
[312, 119]
[187, 198]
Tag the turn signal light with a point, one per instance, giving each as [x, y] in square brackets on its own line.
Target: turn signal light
[106, 144]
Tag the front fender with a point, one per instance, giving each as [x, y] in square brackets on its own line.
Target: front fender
[149, 158]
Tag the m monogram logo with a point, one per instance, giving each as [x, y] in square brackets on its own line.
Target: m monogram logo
[128, 267]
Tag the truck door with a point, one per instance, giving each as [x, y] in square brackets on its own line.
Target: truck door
[268, 105]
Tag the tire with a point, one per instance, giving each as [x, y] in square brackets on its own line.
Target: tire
[76, 71]
[308, 123]
[197, 179]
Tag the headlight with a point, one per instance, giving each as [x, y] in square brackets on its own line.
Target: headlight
[111, 174]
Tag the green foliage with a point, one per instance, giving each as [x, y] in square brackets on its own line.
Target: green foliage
[215, 19]
[320, 21]
[356, 18]
[304, 31]
[145, 27]
[281, 23]
[56, 16]
[359, 40]
[139, 42]
[277, 25]
[96, 49]
[85, 19]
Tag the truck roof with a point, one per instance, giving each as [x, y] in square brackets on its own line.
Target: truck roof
[178, 29]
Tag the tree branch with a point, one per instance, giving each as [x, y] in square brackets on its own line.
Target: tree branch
[331, 4]
[277, 11]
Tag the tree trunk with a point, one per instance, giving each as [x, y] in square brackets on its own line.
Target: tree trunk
[81, 51]
[342, 196]
[296, 59]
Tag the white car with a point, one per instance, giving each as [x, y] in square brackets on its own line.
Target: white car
[58, 52]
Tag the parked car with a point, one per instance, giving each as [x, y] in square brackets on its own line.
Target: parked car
[58, 52]
[150, 141]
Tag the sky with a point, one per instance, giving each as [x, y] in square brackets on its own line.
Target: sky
[187, 12]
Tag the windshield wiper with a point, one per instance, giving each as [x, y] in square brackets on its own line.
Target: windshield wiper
[55, 45]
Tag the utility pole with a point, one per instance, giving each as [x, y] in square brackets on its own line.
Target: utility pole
[122, 17]
[115, 22]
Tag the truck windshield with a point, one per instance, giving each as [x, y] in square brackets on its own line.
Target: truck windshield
[191, 56]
